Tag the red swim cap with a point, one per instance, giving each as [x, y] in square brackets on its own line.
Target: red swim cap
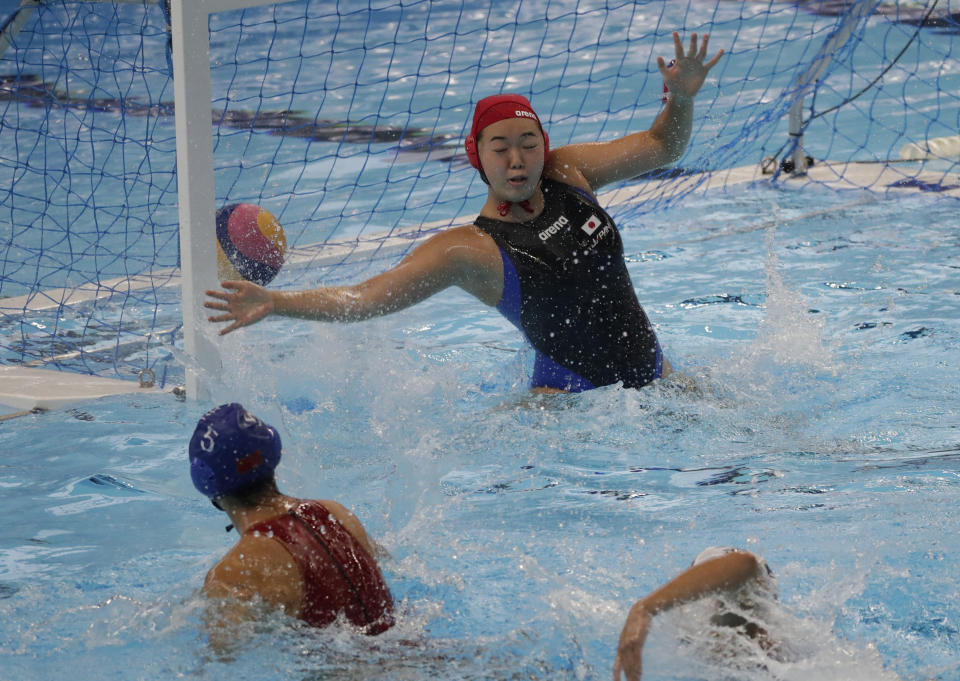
[497, 108]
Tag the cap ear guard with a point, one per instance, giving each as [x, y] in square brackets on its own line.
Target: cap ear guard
[202, 476]
[472, 155]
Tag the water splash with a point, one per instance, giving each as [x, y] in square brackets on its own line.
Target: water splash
[791, 333]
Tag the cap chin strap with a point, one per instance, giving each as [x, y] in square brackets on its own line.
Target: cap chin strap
[504, 207]
[217, 506]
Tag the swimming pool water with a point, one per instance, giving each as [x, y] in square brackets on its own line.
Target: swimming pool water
[816, 424]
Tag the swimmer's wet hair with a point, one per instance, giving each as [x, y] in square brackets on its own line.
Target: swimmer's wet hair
[252, 495]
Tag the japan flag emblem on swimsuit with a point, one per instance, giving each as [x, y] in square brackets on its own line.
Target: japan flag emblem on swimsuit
[591, 225]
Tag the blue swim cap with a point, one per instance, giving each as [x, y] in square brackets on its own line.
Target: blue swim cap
[231, 449]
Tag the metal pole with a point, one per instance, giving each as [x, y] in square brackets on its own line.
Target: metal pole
[17, 21]
[807, 81]
[798, 156]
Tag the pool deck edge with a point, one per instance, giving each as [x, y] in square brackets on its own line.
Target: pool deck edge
[26, 390]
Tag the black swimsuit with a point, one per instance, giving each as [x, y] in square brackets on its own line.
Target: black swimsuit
[566, 287]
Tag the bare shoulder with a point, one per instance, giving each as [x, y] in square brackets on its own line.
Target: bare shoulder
[465, 246]
[464, 236]
[343, 514]
[257, 566]
[592, 165]
[566, 165]
[352, 524]
[470, 257]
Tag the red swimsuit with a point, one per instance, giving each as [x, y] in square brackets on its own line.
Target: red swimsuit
[339, 575]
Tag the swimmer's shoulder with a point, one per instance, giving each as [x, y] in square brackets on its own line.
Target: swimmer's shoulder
[452, 239]
[257, 566]
[255, 556]
[469, 235]
[566, 166]
[464, 245]
[468, 257]
[350, 522]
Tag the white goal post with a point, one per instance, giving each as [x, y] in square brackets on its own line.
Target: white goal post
[195, 185]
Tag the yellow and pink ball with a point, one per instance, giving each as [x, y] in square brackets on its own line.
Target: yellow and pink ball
[250, 243]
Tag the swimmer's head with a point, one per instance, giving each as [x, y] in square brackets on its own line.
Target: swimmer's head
[494, 109]
[231, 449]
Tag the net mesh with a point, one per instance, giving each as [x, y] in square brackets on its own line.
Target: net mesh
[346, 123]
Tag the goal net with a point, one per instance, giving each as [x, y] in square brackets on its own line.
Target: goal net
[345, 121]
